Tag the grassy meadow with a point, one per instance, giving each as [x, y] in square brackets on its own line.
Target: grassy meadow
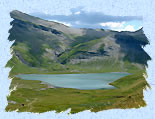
[34, 96]
[38, 98]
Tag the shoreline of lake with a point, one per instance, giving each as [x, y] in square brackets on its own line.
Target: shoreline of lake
[84, 81]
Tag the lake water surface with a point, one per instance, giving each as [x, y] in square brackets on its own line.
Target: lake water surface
[77, 81]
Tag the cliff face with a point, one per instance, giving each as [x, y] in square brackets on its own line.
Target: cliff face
[41, 43]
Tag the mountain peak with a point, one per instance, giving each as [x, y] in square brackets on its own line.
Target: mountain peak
[17, 15]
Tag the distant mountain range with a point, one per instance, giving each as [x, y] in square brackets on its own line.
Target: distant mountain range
[52, 46]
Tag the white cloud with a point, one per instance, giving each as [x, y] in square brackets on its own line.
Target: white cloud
[129, 28]
[126, 28]
[140, 27]
[118, 26]
[67, 24]
[113, 24]
[77, 12]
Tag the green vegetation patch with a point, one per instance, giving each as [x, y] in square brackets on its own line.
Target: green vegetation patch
[81, 47]
[32, 96]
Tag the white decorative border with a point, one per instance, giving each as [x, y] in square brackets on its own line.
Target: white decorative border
[143, 8]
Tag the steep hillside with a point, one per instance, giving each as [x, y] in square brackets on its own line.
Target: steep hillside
[52, 46]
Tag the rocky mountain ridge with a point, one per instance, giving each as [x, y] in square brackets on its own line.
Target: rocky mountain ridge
[42, 43]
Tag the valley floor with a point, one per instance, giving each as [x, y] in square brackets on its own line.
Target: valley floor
[33, 96]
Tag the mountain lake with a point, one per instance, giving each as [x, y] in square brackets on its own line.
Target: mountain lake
[86, 81]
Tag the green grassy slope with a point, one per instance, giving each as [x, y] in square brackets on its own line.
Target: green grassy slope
[38, 97]
[41, 43]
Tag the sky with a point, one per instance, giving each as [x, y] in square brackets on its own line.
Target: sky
[82, 19]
